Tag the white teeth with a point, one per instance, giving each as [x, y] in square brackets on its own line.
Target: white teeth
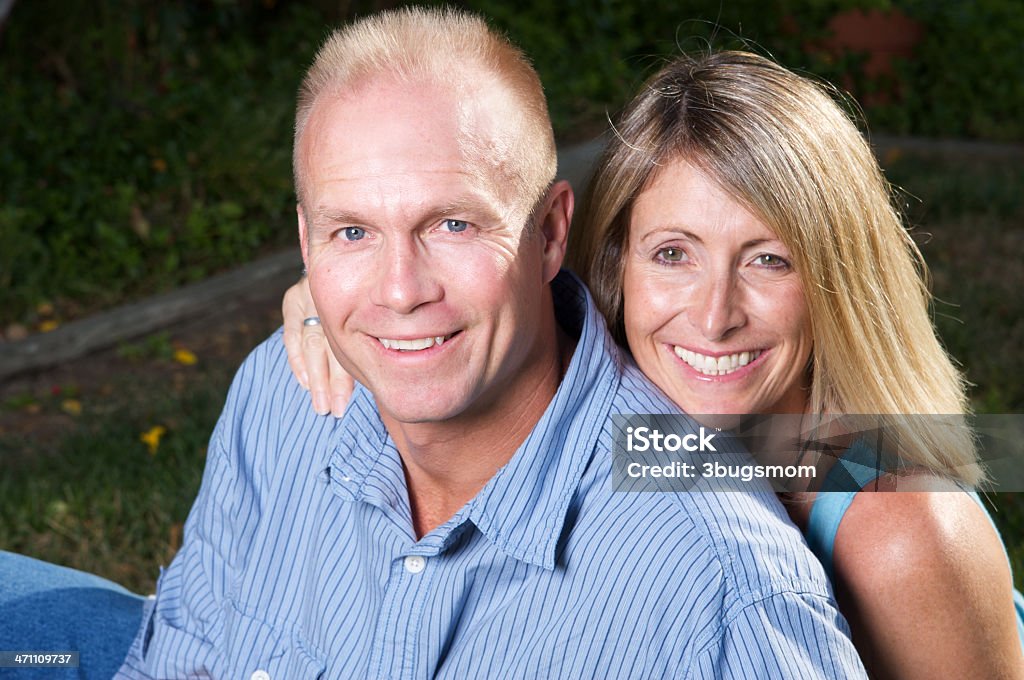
[722, 365]
[413, 345]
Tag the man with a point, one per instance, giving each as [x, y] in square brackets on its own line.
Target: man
[458, 521]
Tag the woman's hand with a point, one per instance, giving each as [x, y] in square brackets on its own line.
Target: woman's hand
[309, 356]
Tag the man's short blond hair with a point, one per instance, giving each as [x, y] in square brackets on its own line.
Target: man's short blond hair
[449, 48]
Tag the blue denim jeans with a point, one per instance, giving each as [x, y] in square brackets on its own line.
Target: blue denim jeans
[47, 608]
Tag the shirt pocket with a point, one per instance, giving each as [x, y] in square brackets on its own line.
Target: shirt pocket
[258, 650]
[164, 650]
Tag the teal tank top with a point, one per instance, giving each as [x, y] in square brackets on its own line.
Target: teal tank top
[860, 464]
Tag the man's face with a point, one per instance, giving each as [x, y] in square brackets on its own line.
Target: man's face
[428, 286]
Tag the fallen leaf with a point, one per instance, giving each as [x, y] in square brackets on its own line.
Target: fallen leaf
[71, 407]
[151, 438]
[16, 332]
[186, 357]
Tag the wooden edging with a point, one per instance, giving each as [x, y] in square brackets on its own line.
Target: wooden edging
[106, 329]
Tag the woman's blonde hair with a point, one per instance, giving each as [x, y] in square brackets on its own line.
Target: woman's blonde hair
[782, 147]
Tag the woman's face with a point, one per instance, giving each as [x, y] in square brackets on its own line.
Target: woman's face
[714, 312]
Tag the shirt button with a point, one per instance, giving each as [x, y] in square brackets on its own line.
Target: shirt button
[260, 675]
[414, 564]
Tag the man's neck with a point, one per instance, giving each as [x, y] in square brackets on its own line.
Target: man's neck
[446, 464]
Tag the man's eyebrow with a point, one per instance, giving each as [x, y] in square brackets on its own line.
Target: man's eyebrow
[470, 207]
[335, 216]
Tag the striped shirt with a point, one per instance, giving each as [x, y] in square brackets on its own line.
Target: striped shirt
[300, 559]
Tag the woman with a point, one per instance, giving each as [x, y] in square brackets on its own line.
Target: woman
[742, 243]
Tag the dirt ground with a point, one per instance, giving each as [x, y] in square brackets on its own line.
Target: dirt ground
[41, 406]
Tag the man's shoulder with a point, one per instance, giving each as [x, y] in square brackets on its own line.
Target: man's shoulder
[267, 414]
[742, 543]
[692, 562]
[637, 394]
[267, 365]
[744, 536]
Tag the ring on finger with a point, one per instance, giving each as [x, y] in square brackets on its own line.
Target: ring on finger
[311, 321]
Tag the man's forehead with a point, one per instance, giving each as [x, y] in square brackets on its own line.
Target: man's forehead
[408, 122]
[386, 129]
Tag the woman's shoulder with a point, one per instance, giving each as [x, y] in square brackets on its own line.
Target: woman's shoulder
[924, 575]
[915, 528]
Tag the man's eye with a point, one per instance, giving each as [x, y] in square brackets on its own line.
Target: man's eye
[455, 226]
[354, 233]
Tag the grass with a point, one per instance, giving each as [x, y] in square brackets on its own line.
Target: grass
[97, 498]
[103, 500]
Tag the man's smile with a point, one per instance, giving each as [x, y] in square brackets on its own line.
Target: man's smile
[415, 344]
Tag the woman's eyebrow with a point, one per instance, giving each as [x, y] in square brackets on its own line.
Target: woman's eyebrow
[658, 232]
[671, 229]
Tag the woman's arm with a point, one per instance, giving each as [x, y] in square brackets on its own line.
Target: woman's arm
[924, 582]
[309, 356]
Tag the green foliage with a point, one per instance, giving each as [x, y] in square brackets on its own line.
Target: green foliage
[967, 77]
[143, 144]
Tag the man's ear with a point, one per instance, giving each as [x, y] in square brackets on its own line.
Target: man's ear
[303, 235]
[553, 222]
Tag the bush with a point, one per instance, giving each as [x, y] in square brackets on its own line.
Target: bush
[143, 145]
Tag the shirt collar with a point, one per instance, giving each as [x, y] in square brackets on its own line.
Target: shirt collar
[522, 509]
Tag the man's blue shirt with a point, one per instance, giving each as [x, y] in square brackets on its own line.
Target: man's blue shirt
[300, 559]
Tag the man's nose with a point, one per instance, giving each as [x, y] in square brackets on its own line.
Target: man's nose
[404, 279]
[718, 309]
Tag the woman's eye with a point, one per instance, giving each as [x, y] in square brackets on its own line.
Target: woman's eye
[671, 255]
[771, 261]
[354, 233]
[455, 226]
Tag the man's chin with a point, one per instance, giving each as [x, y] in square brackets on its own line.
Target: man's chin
[412, 410]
